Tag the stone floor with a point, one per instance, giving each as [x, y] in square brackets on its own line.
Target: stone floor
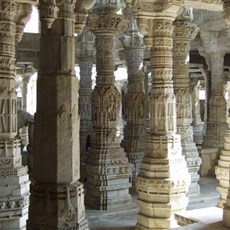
[201, 209]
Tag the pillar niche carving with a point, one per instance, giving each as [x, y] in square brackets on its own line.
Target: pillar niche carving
[184, 32]
[163, 179]
[14, 186]
[86, 56]
[57, 197]
[24, 11]
[108, 169]
[134, 100]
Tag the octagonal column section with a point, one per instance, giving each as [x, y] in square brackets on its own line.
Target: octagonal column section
[57, 197]
[184, 32]
[14, 180]
[134, 100]
[163, 179]
[108, 169]
[86, 56]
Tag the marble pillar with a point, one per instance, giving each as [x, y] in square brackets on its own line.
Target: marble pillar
[134, 100]
[163, 179]
[57, 197]
[216, 125]
[85, 59]
[184, 32]
[14, 180]
[108, 169]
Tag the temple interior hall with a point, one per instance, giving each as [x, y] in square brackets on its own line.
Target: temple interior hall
[114, 114]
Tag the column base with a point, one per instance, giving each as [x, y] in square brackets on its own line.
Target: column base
[57, 207]
[14, 198]
[194, 189]
[108, 178]
[208, 156]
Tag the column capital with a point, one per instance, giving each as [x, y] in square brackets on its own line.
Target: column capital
[213, 41]
[107, 24]
[81, 9]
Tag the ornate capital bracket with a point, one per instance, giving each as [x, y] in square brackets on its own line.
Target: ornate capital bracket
[82, 9]
[23, 14]
[48, 12]
[111, 23]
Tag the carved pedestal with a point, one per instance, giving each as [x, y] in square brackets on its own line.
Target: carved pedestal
[108, 169]
[57, 198]
[134, 101]
[14, 181]
[184, 32]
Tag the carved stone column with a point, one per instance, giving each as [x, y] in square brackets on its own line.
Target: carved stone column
[108, 170]
[134, 100]
[14, 181]
[163, 180]
[57, 197]
[184, 32]
[214, 44]
[216, 125]
[85, 59]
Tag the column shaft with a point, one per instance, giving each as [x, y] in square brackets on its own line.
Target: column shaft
[86, 65]
[57, 198]
[216, 125]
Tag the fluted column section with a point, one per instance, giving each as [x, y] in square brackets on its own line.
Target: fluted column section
[163, 180]
[14, 181]
[134, 101]
[108, 169]
[57, 197]
[184, 32]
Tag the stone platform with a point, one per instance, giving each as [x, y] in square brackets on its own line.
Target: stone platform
[201, 214]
